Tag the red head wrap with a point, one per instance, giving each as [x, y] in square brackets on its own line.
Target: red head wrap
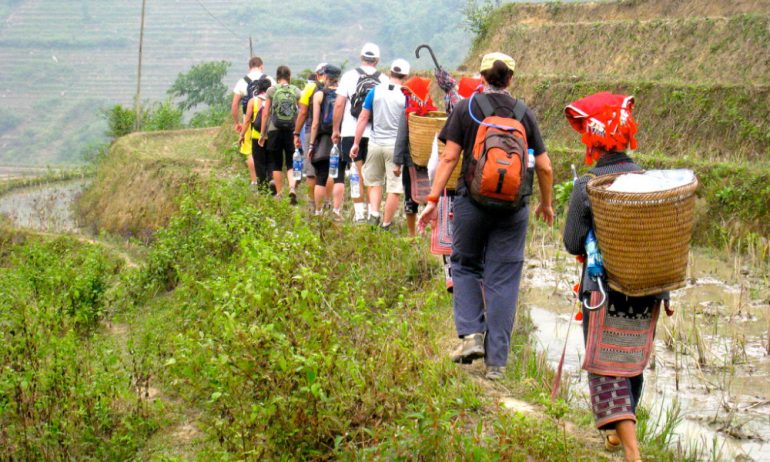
[468, 86]
[417, 89]
[605, 121]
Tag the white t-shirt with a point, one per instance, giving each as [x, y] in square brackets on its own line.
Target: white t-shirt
[386, 102]
[347, 88]
[241, 87]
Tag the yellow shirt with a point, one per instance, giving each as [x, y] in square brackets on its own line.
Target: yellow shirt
[307, 93]
[251, 134]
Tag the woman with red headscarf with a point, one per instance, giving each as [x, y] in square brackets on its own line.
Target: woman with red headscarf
[619, 334]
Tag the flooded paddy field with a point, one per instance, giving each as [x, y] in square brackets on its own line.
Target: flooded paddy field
[711, 359]
[46, 208]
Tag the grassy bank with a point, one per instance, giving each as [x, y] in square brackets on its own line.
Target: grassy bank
[135, 189]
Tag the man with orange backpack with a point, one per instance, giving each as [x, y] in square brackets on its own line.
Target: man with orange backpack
[496, 133]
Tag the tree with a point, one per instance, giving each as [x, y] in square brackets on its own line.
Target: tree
[202, 84]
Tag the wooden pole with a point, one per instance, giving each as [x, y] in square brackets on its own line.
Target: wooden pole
[251, 47]
[137, 97]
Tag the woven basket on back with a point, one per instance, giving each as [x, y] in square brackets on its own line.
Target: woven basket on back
[422, 131]
[644, 237]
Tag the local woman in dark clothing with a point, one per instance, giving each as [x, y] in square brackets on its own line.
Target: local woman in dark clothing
[487, 244]
[618, 335]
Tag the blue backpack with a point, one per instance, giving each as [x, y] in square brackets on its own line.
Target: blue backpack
[327, 111]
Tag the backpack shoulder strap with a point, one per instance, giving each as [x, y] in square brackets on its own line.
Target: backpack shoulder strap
[376, 75]
[360, 71]
[247, 80]
[519, 110]
[482, 101]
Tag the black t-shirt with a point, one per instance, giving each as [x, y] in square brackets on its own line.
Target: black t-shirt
[461, 129]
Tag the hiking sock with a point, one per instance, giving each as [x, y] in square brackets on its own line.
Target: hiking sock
[372, 213]
[360, 210]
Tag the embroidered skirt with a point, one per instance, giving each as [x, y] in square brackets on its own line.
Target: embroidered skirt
[619, 339]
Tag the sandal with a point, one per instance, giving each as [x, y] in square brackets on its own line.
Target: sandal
[611, 441]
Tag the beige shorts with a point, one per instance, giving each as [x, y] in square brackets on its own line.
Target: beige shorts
[378, 169]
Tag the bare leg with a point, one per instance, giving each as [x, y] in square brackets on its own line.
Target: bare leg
[626, 430]
[411, 224]
[252, 170]
[329, 190]
[375, 198]
[391, 206]
[320, 195]
[339, 194]
[278, 180]
[290, 178]
[311, 182]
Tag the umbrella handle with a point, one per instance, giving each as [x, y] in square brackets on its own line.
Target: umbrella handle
[430, 50]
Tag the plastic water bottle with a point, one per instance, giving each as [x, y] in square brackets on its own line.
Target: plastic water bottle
[530, 159]
[594, 260]
[297, 164]
[334, 162]
[355, 182]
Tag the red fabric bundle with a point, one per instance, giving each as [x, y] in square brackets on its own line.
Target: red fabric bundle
[417, 91]
[468, 86]
[606, 122]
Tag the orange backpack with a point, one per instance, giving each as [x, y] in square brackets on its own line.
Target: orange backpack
[497, 175]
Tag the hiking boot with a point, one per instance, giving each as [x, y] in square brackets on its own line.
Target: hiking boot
[292, 198]
[360, 221]
[389, 228]
[273, 189]
[495, 372]
[472, 347]
[373, 221]
[337, 217]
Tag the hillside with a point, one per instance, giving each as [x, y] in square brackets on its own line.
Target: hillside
[62, 60]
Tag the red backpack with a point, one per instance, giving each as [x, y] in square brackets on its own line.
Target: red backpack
[497, 176]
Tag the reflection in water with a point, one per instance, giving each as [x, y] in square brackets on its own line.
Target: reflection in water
[43, 208]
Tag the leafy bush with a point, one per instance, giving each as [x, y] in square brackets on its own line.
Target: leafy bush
[162, 116]
[63, 393]
[202, 85]
[120, 121]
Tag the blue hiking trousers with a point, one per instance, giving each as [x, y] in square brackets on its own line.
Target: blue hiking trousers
[487, 260]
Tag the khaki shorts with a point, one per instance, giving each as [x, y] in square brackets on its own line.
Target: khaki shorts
[378, 169]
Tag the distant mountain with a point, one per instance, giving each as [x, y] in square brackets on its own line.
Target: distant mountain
[62, 60]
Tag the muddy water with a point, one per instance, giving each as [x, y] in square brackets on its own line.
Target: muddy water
[721, 382]
[43, 208]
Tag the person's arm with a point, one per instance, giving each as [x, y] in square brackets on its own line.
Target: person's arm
[301, 117]
[247, 119]
[317, 101]
[401, 149]
[545, 181]
[578, 219]
[235, 110]
[339, 111]
[363, 119]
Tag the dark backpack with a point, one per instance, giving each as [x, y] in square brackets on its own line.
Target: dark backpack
[497, 175]
[251, 92]
[327, 111]
[284, 107]
[365, 83]
[256, 124]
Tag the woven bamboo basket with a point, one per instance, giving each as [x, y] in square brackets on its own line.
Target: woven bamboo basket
[422, 131]
[644, 237]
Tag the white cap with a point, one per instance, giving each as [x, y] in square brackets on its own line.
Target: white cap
[320, 67]
[400, 66]
[370, 50]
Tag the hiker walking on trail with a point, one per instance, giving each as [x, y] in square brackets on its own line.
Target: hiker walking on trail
[384, 106]
[320, 140]
[489, 228]
[249, 139]
[351, 93]
[245, 90]
[615, 369]
[278, 121]
[304, 120]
